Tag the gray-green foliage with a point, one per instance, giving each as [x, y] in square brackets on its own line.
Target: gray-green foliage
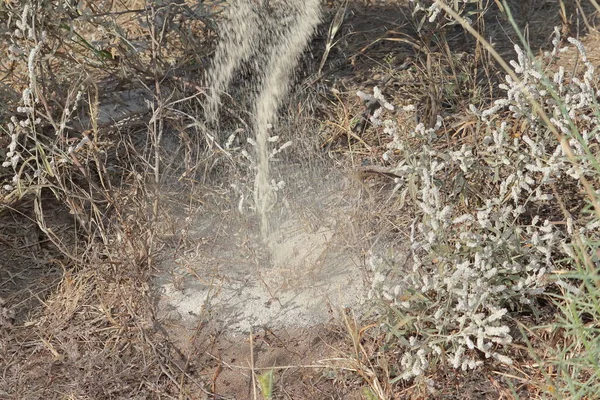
[489, 231]
[430, 11]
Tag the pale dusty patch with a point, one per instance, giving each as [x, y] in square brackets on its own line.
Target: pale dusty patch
[305, 274]
[275, 268]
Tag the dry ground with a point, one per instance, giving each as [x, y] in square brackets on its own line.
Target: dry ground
[78, 313]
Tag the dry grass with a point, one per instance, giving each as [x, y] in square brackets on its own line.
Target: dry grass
[444, 76]
[77, 312]
[78, 252]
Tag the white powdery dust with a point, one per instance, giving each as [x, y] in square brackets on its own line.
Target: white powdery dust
[282, 60]
[238, 40]
[275, 56]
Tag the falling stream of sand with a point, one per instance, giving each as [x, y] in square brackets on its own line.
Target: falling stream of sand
[304, 264]
[243, 35]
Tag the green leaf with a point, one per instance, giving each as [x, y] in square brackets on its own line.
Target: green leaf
[266, 384]
[369, 395]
